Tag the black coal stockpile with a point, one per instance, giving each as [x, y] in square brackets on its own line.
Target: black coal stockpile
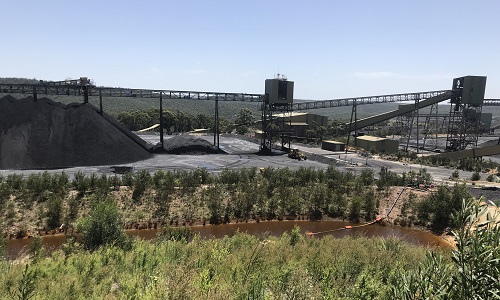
[183, 144]
[47, 134]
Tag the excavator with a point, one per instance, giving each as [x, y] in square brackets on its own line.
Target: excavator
[297, 154]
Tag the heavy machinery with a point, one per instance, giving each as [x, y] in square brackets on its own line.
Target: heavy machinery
[297, 154]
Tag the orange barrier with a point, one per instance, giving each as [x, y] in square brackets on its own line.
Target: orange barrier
[309, 233]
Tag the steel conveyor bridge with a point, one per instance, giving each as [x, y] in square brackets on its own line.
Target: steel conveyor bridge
[491, 102]
[435, 97]
[85, 88]
[72, 89]
[307, 105]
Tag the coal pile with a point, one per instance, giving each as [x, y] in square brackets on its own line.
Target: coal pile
[46, 134]
[185, 144]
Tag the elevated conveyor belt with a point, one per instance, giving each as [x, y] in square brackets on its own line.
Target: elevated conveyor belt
[403, 109]
[316, 104]
[151, 128]
[491, 102]
[477, 152]
[78, 90]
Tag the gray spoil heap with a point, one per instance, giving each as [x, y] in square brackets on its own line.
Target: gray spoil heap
[191, 145]
[48, 135]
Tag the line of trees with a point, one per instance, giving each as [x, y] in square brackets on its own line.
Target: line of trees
[243, 194]
[179, 121]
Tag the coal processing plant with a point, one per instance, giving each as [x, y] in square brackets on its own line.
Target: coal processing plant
[38, 133]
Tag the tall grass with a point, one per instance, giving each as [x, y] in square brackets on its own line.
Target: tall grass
[237, 267]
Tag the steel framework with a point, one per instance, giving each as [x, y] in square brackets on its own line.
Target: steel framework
[306, 105]
[46, 88]
[84, 87]
[465, 114]
[491, 102]
[276, 125]
[463, 127]
[459, 122]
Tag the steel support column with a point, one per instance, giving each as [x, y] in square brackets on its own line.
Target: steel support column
[417, 112]
[161, 119]
[354, 114]
[35, 98]
[216, 122]
[86, 94]
[100, 102]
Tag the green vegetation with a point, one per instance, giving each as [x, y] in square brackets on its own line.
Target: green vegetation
[465, 164]
[179, 121]
[103, 226]
[53, 203]
[237, 267]
[475, 176]
[293, 266]
[244, 121]
[46, 202]
[474, 268]
[437, 209]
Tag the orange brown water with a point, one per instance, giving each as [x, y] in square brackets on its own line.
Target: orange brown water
[16, 248]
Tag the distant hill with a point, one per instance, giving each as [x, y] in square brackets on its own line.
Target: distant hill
[18, 80]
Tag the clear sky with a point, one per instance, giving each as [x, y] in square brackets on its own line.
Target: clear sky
[331, 49]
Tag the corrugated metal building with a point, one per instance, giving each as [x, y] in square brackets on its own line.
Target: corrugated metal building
[301, 122]
[333, 146]
[381, 145]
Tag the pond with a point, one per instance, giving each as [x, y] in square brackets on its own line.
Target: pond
[18, 247]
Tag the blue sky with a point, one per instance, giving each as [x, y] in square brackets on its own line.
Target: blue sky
[331, 49]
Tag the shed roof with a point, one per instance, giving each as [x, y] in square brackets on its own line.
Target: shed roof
[334, 142]
[371, 138]
[293, 114]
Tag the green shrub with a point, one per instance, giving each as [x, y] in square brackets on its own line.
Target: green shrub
[369, 205]
[438, 207]
[366, 177]
[25, 287]
[73, 205]
[142, 181]
[475, 176]
[54, 211]
[103, 226]
[36, 248]
[295, 235]
[3, 248]
[490, 178]
[213, 200]
[474, 268]
[355, 208]
[4, 194]
[183, 233]
[60, 183]
[128, 179]
[81, 183]
[15, 182]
